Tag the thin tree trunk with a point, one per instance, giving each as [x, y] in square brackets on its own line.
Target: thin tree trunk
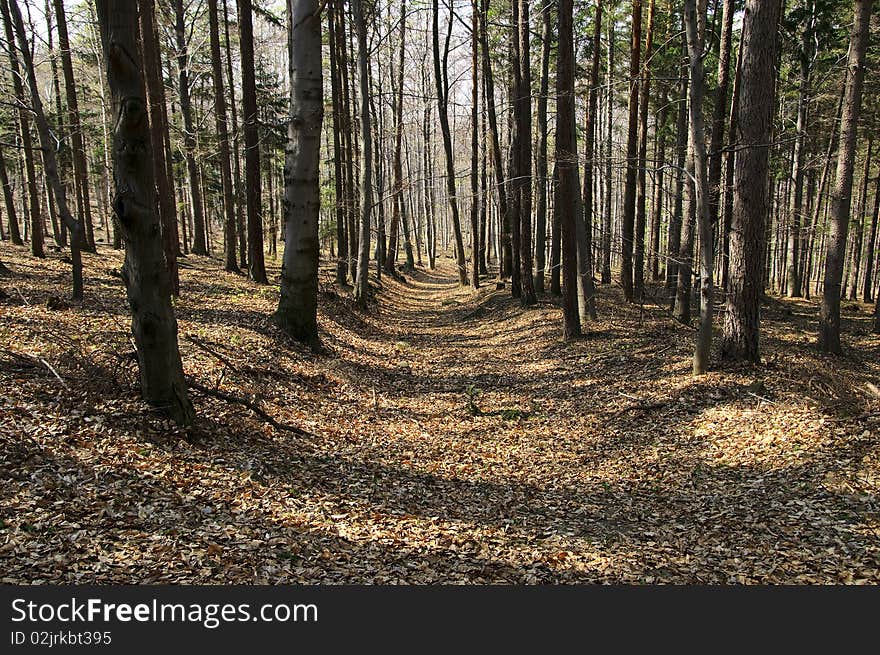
[641, 184]
[9, 200]
[541, 172]
[868, 286]
[523, 110]
[566, 162]
[363, 266]
[250, 116]
[442, 103]
[858, 224]
[475, 154]
[223, 141]
[632, 160]
[607, 222]
[695, 22]
[24, 124]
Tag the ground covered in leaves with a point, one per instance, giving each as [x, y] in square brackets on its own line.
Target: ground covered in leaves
[453, 438]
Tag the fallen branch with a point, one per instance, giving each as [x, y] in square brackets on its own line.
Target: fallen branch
[254, 407]
[201, 344]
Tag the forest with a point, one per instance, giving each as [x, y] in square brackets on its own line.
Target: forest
[423, 291]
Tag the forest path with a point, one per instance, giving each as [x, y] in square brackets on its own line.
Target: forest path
[601, 460]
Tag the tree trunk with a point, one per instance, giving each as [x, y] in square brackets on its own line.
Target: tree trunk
[829, 311]
[695, 25]
[632, 160]
[9, 200]
[673, 245]
[868, 286]
[199, 246]
[144, 272]
[231, 264]
[338, 166]
[858, 224]
[24, 124]
[161, 160]
[566, 162]
[505, 265]
[442, 103]
[541, 172]
[297, 312]
[641, 186]
[523, 110]
[740, 339]
[363, 265]
[250, 116]
[475, 147]
[607, 223]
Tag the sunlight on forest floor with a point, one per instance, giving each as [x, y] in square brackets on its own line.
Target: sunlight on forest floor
[456, 439]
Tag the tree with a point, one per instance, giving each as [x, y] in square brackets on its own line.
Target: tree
[755, 115]
[695, 27]
[161, 159]
[566, 162]
[9, 202]
[841, 194]
[80, 171]
[231, 264]
[442, 84]
[361, 285]
[297, 312]
[541, 162]
[523, 113]
[475, 145]
[641, 178]
[24, 124]
[50, 164]
[200, 244]
[632, 161]
[146, 277]
[250, 117]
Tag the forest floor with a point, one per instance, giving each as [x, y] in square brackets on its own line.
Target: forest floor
[454, 437]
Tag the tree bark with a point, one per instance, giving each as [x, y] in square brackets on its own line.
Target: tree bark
[250, 116]
[566, 162]
[146, 277]
[841, 195]
[740, 338]
[442, 102]
[297, 312]
[541, 172]
[231, 263]
[363, 265]
[523, 109]
[475, 147]
[641, 185]
[632, 160]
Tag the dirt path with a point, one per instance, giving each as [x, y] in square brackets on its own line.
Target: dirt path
[597, 461]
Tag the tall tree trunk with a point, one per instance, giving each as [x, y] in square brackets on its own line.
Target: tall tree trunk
[73, 120]
[363, 265]
[505, 265]
[695, 26]
[250, 116]
[475, 148]
[524, 130]
[829, 311]
[297, 312]
[146, 277]
[719, 112]
[161, 159]
[442, 104]
[566, 162]
[607, 223]
[236, 160]
[740, 339]
[199, 246]
[632, 160]
[641, 185]
[24, 124]
[58, 231]
[338, 166]
[541, 172]
[223, 140]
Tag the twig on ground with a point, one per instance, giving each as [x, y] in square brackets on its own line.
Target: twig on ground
[256, 409]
